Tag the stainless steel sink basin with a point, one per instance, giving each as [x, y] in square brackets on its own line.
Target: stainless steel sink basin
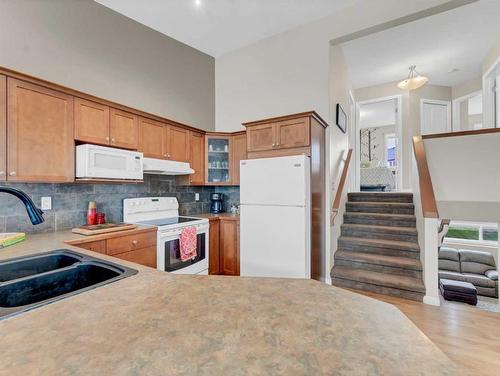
[32, 281]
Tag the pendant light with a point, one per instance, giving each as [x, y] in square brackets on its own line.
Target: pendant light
[414, 80]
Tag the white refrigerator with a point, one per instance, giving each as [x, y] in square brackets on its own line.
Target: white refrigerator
[275, 217]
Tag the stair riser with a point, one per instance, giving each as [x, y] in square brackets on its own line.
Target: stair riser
[378, 209]
[340, 282]
[379, 268]
[378, 222]
[346, 246]
[378, 235]
[380, 198]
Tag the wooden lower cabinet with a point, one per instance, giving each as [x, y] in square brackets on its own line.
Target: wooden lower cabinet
[137, 246]
[214, 259]
[3, 128]
[224, 246]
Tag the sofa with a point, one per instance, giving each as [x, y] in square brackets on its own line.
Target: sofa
[465, 265]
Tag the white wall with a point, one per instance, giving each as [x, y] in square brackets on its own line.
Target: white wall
[86, 46]
[410, 114]
[289, 72]
[466, 176]
[337, 144]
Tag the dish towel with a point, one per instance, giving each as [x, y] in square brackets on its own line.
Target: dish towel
[187, 243]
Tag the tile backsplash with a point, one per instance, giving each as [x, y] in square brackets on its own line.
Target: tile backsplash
[231, 196]
[70, 201]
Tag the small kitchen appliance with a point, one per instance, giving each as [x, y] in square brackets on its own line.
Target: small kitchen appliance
[163, 212]
[217, 203]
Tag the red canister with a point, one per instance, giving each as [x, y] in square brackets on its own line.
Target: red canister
[92, 213]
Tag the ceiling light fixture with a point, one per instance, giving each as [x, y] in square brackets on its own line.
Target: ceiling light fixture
[414, 80]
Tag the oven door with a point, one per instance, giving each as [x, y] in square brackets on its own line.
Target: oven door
[169, 258]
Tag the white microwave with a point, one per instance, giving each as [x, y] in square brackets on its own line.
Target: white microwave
[99, 162]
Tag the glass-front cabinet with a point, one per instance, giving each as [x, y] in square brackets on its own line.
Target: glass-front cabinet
[218, 160]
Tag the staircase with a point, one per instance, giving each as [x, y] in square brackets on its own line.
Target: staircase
[378, 248]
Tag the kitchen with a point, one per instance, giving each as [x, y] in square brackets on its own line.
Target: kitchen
[81, 132]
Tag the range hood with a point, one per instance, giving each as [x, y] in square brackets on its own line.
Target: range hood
[162, 167]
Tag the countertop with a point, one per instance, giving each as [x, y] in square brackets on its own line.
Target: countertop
[156, 323]
[226, 216]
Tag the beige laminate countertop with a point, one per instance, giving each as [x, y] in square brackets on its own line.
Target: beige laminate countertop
[227, 216]
[155, 323]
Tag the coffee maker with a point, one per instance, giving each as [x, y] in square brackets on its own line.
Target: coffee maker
[216, 206]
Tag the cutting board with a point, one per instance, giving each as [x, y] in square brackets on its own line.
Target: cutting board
[103, 229]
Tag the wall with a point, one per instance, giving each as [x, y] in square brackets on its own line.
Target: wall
[289, 72]
[88, 47]
[492, 56]
[466, 88]
[70, 202]
[410, 114]
[337, 145]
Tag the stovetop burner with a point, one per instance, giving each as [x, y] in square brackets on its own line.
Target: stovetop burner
[169, 221]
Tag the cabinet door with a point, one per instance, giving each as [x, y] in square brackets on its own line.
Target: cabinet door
[177, 144]
[197, 157]
[239, 154]
[213, 250]
[151, 138]
[91, 122]
[218, 160]
[143, 256]
[261, 137]
[3, 128]
[229, 249]
[40, 134]
[123, 129]
[293, 133]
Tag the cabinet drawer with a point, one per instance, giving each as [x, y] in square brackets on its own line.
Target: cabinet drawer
[96, 246]
[143, 256]
[131, 242]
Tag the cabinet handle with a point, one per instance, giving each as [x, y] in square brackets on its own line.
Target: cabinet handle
[13, 173]
[2, 173]
[107, 139]
[113, 140]
[134, 242]
[165, 155]
[168, 156]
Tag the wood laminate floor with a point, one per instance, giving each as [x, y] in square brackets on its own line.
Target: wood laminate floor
[469, 336]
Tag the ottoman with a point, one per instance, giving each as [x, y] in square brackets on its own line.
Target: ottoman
[458, 291]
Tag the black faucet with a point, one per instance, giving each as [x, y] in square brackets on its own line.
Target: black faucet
[34, 213]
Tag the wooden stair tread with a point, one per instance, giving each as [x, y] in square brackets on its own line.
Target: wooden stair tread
[388, 216]
[382, 243]
[382, 203]
[376, 259]
[378, 228]
[379, 279]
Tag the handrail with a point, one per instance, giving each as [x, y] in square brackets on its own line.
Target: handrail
[461, 133]
[340, 188]
[427, 198]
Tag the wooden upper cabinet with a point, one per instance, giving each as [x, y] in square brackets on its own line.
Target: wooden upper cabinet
[177, 140]
[3, 128]
[91, 122]
[123, 129]
[293, 133]
[239, 154]
[197, 157]
[261, 137]
[229, 247]
[40, 133]
[151, 138]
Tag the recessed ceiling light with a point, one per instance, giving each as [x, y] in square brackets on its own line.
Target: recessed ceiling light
[453, 70]
[197, 3]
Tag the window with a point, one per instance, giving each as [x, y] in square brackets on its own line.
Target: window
[473, 232]
[390, 149]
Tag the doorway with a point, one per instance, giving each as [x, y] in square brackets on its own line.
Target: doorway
[378, 145]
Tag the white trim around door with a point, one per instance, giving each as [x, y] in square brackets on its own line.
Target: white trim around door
[399, 131]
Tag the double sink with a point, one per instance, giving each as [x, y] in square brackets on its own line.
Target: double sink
[32, 281]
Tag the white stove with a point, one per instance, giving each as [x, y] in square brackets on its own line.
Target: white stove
[163, 212]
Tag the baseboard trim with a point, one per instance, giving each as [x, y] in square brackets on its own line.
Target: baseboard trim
[432, 300]
[328, 280]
